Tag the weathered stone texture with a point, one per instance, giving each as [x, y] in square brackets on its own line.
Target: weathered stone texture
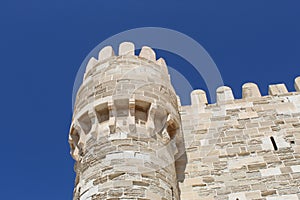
[131, 138]
[126, 135]
[230, 153]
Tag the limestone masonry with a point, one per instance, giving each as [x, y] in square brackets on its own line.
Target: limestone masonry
[131, 138]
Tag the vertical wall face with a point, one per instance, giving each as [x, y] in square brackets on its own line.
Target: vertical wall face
[125, 133]
[245, 148]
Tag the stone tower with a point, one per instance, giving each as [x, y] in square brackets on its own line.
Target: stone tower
[126, 132]
[132, 139]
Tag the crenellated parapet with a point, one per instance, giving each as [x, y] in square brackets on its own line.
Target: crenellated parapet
[250, 91]
[105, 75]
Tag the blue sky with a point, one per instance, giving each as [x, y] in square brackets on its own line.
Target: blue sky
[43, 43]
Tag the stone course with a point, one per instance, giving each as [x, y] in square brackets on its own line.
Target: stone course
[131, 138]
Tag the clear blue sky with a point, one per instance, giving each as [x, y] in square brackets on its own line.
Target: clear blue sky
[43, 43]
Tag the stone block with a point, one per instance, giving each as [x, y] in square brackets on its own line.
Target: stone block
[257, 166]
[224, 93]
[105, 53]
[285, 197]
[198, 97]
[270, 172]
[268, 193]
[250, 90]
[92, 62]
[295, 168]
[277, 89]
[248, 115]
[126, 48]
[253, 195]
[148, 53]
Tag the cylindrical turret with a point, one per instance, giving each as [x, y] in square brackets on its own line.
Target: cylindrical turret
[125, 134]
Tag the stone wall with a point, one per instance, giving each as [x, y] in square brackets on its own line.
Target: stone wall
[131, 139]
[242, 148]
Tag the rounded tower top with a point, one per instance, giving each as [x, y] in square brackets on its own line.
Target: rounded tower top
[123, 92]
[125, 75]
[127, 108]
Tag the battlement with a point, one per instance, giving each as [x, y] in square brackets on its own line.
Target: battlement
[126, 49]
[250, 92]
